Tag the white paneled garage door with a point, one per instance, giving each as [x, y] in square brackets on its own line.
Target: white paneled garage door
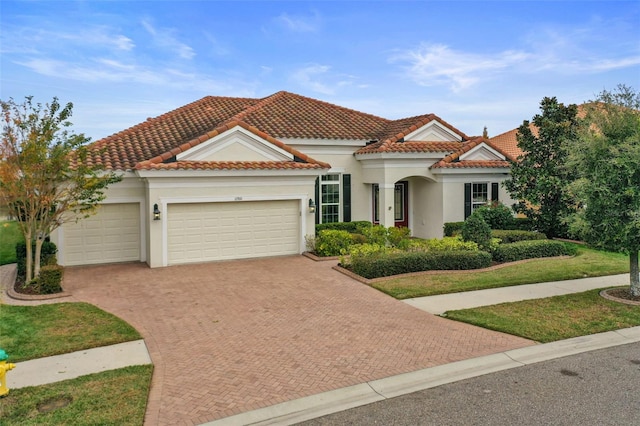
[111, 235]
[203, 232]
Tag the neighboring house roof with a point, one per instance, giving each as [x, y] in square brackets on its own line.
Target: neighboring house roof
[155, 143]
[507, 142]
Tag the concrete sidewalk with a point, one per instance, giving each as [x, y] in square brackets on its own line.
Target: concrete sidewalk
[53, 369]
[471, 299]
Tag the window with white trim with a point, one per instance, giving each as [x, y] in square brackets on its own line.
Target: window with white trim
[479, 195]
[330, 199]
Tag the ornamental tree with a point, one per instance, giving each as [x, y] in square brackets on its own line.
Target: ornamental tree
[539, 178]
[607, 158]
[44, 181]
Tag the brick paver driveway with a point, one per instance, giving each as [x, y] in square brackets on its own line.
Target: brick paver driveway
[231, 337]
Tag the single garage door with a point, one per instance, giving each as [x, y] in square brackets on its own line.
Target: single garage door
[111, 235]
[204, 232]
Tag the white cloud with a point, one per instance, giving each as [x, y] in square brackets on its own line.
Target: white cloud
[437, 64]
[308, 78]
[165, 39]
[299, 24]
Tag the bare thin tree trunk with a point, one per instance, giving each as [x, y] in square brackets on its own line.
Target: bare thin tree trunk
[635, 273]
[36, 258]
[29, 272]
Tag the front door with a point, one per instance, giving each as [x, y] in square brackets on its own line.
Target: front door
[400, 201]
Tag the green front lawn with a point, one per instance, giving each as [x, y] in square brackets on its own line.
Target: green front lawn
[37, 331]
[10, 234]
[587, 263]
[117, 397]
[553, 318]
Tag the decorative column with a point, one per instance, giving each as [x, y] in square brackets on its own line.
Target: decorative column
[386, 204]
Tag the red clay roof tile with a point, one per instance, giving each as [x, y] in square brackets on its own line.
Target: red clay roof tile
[282, 115]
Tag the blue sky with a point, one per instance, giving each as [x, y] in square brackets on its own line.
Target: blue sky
[473, 63]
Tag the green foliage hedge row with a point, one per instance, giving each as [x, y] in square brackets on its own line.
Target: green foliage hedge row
[452, 229]
[531, 249]
[47, 255]
[417, 261]
[512, 236]
[351, 227]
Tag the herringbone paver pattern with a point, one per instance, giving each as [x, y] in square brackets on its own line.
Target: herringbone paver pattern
[231, 337]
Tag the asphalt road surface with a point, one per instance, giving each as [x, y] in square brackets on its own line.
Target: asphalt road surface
[594, 388]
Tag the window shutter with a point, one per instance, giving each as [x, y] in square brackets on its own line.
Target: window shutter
[494, 191]
[346, 198]
[467, 200]
[317, 200]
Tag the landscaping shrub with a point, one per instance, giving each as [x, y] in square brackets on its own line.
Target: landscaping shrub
[332, 242]
[351, 227]
[477, 230]
[360, 251]
[512, 236]
[49, 280]
[522, 223]
[531, 249]
[387, 264]
[451, 229]
[496, 215]
[374, 234]
[398, 237]
[47, 255]
[442, 244]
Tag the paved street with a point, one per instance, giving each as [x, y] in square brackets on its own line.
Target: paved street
[593, 388]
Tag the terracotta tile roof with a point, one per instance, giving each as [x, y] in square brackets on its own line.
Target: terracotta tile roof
[233, 165]
[151, 138]
[392, 140]
[168, 156]
[279, 116]
[453, 160]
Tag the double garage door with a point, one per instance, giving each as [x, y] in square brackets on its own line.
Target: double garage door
[203, 232]
[111, 235]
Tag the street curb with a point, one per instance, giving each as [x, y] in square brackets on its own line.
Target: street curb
[311, 407]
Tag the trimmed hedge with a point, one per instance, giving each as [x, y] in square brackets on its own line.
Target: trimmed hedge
[49, 280]
[451, 229]
[405, 262]
[512, 236]
[332, 242]
[531, 249]
[47, 255]
[351, 227]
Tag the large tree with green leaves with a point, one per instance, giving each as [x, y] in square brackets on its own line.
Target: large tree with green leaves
[44, 181]
[607, 158]
[540, 176]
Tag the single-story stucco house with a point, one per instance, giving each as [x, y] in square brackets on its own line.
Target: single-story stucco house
[230, 178]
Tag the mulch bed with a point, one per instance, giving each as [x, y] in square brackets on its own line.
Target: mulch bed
[622, 293]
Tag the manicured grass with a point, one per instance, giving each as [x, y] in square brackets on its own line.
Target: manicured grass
[37, 331]
[587, 263]
[10, 234]
[553, 318]
[117, 397]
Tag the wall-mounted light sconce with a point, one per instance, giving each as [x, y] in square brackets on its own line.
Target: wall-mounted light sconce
[312, 206]
[156, 212]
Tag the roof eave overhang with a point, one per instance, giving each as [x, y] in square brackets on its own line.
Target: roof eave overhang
[404, 155]
[469, 170]
[183, 173]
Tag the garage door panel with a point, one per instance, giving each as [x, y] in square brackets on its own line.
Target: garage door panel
[232, 230]
[111, 235]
